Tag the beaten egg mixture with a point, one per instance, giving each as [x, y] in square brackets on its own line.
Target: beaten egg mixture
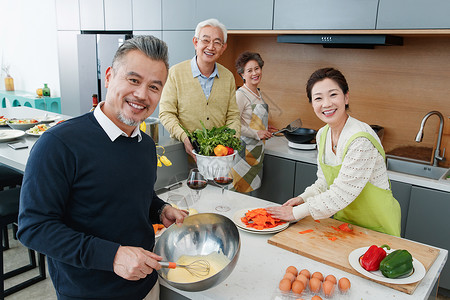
[218, 261]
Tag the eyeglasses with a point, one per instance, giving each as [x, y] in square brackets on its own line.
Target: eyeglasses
[216, 43]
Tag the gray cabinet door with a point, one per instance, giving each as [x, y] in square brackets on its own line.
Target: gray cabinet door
[402, 192]
[118, 15]
[238, 14]
[428, 222]
[180, 45]
[305, 175]
[278, 180]
[413, 14]
[147, 15]
[325, 14]
[92, 15]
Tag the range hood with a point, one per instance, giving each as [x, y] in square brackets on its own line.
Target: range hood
[364, 41]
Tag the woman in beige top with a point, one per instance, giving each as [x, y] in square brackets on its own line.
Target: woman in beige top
[247, 172]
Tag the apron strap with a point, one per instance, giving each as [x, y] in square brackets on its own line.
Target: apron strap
[370, 138]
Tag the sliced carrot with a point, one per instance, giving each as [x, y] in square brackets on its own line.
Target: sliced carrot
[306, 231]
[346, 227]
[337, 229]
[260, 219]
[318, 221]
[333, 238]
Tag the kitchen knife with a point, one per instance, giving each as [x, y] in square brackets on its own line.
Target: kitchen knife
[168, 188]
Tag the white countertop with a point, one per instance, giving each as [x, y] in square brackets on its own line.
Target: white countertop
[278, 146]
[261, 266]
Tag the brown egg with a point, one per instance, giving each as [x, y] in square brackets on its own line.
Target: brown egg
[331, 278]
[298, 287]
[306, 273]
[314, 284]
[316, 298]
[285, 285]
[303, 279]
[317, 275]
[328, 288]
[293, 270]
[289, 276]
[344, 284]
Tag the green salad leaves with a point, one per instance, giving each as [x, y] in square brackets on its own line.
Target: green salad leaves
[205, 140]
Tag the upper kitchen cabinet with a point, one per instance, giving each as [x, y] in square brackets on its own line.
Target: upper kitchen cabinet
[234, 14]
[147, 15]
[179, 14]
[413, 14]
[180, 45]
[92, 15]
[325, 14]
[106, 15]
[67, 15]
[118, 15]
[238, 14]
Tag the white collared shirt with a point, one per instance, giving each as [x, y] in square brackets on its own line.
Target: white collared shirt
[110, 128]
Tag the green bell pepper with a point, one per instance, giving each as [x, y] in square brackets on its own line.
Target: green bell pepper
[396, 264]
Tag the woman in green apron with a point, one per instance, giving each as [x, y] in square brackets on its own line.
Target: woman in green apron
[352, 182]
[247, 171]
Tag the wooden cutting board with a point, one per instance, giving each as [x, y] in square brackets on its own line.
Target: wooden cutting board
[317, 246]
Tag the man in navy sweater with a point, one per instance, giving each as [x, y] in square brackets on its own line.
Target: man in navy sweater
[88, 200]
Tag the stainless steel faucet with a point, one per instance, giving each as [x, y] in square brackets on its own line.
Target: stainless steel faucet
[419, 136]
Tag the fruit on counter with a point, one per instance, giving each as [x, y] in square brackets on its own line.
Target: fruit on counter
[205, 140]
[346, 227]
[372, 258]
[220, 150]
[396, 264]
[162, 159]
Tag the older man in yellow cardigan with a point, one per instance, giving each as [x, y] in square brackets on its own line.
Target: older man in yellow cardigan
[200, 89]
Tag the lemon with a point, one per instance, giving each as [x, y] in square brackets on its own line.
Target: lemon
[143, 126]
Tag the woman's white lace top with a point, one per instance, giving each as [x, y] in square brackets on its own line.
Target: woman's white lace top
[362, 163]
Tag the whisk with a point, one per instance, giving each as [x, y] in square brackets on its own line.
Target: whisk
[197, 268]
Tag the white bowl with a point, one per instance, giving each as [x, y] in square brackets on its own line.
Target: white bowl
[21, 126]
[206, 164]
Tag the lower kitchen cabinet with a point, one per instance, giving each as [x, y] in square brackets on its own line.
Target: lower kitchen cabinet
[428, 222]
[278, 180]
[305, 175]
[402, 192]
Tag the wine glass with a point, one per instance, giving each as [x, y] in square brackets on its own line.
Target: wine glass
[196, 182]
[223, 177]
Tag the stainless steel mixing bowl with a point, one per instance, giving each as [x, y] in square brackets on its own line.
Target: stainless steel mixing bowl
[200, 234]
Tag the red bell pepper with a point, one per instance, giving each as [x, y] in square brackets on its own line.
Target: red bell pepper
[372, 258]
[230, 150]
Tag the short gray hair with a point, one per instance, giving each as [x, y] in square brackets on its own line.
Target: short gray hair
[151, 46]
[213, 23]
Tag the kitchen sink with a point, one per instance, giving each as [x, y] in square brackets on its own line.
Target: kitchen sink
[417, 169]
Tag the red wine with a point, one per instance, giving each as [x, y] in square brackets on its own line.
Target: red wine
[223, 180]
[196, 184]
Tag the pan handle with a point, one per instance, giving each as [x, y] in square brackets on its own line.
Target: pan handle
[284, 129]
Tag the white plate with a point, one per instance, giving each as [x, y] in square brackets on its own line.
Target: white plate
[49, 119]
[417, 274]
[34, 134]
[9, 135]
[241, 213]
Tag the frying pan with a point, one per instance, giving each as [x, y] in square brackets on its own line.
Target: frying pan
[300, 135]
[294, 125]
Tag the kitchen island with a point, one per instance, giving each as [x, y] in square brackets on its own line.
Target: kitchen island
[261, 266]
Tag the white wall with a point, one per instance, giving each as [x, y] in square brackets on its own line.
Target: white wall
[28, 44]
